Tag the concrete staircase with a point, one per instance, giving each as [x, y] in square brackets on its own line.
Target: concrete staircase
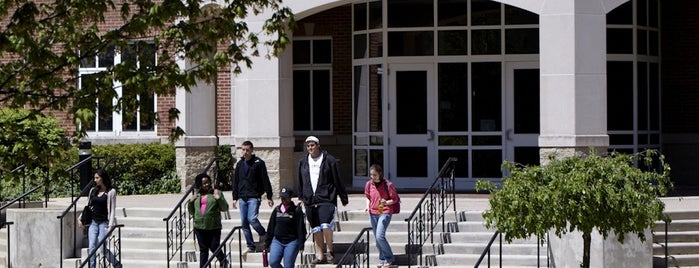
[682, 238]
[143, 240]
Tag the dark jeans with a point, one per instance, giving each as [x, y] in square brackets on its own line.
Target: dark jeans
[209, 240]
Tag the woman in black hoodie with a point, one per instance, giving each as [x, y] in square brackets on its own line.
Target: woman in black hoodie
[286, 232]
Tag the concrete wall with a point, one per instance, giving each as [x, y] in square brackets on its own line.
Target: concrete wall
[567, 251]
[41, 224]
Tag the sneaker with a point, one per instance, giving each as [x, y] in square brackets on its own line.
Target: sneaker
[330, 256]
[249, 250]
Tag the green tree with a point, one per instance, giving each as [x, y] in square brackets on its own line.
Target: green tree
[44, 42]
[580, 193]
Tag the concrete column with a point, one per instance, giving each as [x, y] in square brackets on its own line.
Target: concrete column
[573, 75]
[262, 101]
[574, 112]
[198, 120]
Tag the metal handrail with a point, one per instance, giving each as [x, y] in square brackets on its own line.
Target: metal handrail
[9, 246]
[442, 195]
[23, 202]
[11, 202]
[103, 244]
[73, 203]
[487, 250]
[178, 228]
[363, 257]
[223, 246]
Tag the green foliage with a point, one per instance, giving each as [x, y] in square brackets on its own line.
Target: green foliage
[137, 169]
[580, 193]
[226, 166]
[43, 44]
[29, 139]
[30, 144]
[141, 168]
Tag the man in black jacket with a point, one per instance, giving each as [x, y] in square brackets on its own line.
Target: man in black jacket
[319, 186]
[251, 181]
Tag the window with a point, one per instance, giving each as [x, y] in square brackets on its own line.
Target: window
[110, 121]
[313, 86]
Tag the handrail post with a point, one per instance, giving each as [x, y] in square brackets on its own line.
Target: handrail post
[60, 254]
[500, 262]
[666, 237]
[167, 242]
[9, 246]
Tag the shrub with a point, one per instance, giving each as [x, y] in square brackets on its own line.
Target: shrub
[141, 168]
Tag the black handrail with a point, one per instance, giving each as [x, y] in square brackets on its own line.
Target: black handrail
[106, 243]
[225, 244]
[73, 204]
[667, 223]
[9, 246]
[360, 255]
[22, 203]
[179, 227]
[425, 217]
[486, 251]
[11, 202]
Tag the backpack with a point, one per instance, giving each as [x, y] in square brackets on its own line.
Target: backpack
[395, 207]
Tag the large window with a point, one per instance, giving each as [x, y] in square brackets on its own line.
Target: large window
[313, 86]
[633, 71]
[110, 120]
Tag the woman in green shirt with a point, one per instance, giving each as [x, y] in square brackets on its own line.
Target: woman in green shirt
[206, 206]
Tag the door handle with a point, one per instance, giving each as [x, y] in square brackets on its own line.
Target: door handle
[430, 134]
[508, 134]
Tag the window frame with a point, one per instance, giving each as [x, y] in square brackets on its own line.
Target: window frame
[118, 124]
[313, 67]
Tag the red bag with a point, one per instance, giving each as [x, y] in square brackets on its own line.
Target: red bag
[395, 207]
[264, 258]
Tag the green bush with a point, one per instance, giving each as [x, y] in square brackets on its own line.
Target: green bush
[137, 169]
[30, 143]
[141, 168]
[226, 165]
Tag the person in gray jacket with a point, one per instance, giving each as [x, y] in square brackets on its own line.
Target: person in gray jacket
[319, 186]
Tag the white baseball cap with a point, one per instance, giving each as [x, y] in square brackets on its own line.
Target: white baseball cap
[313, 139]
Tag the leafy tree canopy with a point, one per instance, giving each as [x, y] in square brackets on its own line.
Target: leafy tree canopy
[44, 42]
[581, 193]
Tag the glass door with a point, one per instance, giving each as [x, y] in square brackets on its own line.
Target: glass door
[521, 133]
[412, 122]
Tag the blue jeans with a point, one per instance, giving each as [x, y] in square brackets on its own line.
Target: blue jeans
[96, 232]
[380, 224]
[249, 208]
[288, 251]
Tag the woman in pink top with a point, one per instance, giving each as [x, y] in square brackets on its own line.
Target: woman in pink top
[205, 205]
[382, 203]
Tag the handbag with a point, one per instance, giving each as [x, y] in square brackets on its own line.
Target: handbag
[265, 262]
[86, 215]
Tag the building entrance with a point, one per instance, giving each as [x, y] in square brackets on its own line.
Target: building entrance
[482, 117]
